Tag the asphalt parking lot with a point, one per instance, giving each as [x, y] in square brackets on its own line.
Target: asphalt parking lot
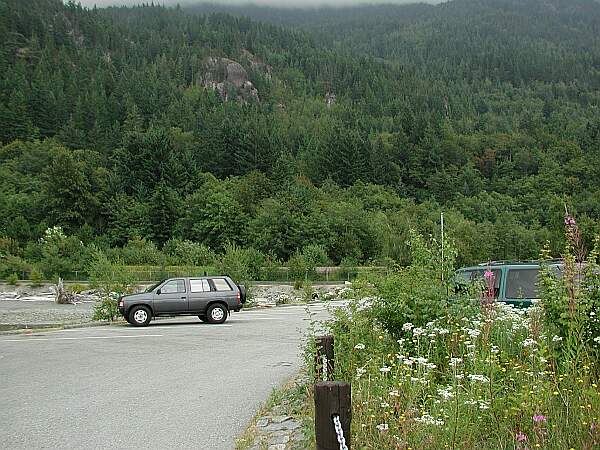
[178, 383]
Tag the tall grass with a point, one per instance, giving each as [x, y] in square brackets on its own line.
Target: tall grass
[432, 373]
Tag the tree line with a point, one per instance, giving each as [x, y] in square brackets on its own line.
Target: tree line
[485, 110]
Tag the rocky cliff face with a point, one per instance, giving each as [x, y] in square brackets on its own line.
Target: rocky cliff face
[229, 78]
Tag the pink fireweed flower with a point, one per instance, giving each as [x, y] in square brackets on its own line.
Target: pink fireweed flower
[520, 437]
[488, 274]
[570, 221]
[539, 418]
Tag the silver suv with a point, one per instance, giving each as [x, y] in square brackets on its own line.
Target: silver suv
[212, 299]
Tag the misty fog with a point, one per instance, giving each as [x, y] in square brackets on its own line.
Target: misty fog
[277, 3]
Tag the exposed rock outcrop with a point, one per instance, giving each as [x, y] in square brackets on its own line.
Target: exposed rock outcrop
[229, 78]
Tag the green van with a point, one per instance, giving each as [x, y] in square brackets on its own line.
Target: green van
[514, 282]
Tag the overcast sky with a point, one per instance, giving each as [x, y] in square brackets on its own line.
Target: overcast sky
[281, 3]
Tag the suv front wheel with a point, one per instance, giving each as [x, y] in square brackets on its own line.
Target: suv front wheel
[140, 316]
[216, 313]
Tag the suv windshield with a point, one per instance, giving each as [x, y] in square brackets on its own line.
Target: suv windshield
[154, 286]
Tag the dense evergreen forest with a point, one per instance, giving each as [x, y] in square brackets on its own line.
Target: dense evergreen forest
[283, 130]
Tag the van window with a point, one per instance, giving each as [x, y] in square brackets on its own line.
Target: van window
[477, 276]
[522, 283]
[199, 286]
[221, 284]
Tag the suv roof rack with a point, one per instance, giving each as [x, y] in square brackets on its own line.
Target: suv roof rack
[525, 261]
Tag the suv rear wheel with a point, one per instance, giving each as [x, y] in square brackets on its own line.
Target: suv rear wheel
[216, 313]
[140, 316]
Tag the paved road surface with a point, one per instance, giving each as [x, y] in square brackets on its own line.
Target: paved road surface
[178, 383]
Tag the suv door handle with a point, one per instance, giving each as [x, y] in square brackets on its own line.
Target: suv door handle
[184, 297]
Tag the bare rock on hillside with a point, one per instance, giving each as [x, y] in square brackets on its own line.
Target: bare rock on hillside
[229, 78]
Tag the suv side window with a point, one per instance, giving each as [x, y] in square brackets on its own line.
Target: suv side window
[477, 276]
[199, 286]
[221, 284]
[173, 287]
[521, 283]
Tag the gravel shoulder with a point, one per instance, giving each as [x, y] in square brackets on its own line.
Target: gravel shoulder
[26, 307]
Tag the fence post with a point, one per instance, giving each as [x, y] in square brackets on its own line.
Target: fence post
[324, 358]
[332, 398]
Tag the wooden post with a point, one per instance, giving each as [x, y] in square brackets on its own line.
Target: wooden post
[332, 398]
[324, 349]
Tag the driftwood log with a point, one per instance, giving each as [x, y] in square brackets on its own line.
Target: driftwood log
[62, 295]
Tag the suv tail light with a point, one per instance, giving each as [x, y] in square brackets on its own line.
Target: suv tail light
[121, 303]
[238, 297]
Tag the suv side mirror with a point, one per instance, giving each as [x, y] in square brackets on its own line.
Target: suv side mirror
[158, 292]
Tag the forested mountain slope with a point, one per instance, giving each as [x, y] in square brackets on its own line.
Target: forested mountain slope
[356, 125]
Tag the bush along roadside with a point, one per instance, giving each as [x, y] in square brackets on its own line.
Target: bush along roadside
[463, 374]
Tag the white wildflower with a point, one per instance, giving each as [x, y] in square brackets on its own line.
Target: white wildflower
[385, 405]
[597, 339]
[446, 394]
[382, 427]
[428, 420]
[359, 347]
[473, 333]
[480, 378]
[529, 342]
[418, 331]
[407, 326]
[394, 393]
[455, 361]
[418, 380]
[385, 369]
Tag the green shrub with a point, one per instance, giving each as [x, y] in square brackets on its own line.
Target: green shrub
[271, 269]
[241, 264]
[308, 292]
[12, 279]
[77, 288]
[298, 285]
[315, 256]
[107, 276]
[139, 251]
[188, 253]
[57, 253]
[418, 293]
[10, 264]
[298, 266]
[36, 277]
[106, 309]
[302, 264]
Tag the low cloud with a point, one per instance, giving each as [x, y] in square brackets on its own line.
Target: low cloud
[275, 3]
